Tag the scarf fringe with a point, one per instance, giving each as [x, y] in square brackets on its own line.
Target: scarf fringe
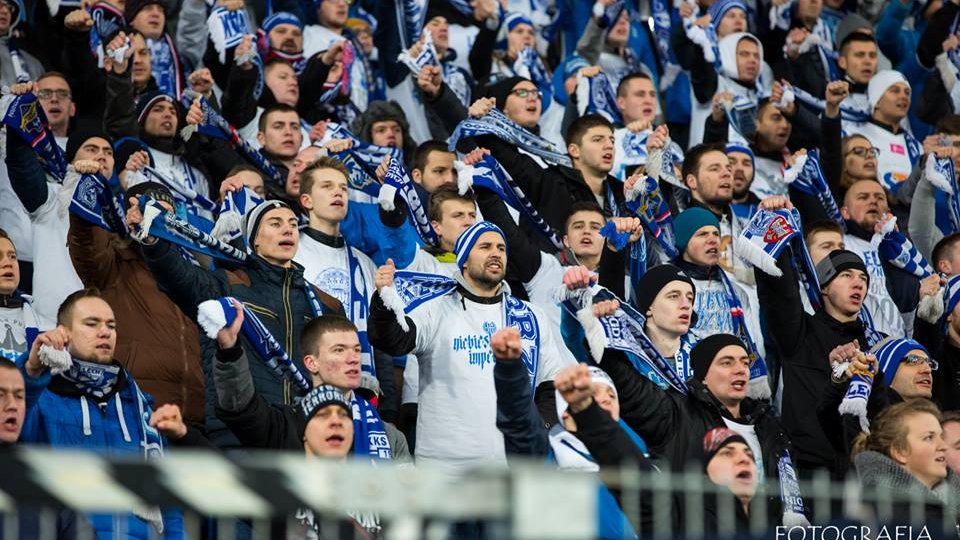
[751, 254]
[394, 303]
[58, 360]
[211, 318]
[464, 176]
[931, 308]
[759, 388]
[795, 519]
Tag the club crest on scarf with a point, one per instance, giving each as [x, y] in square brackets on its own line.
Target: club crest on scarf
[26, 118]
[777, 230]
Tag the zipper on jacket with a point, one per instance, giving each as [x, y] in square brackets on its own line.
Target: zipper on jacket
[287, 318]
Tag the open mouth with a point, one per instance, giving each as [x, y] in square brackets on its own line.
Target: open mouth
[607, 156]
[532, 109]
[286, 244]
[335, 440]
[647, 111]
[166, 125]
[586, 242]
[925, 382]
[337, 204]
[54, 110]
[7, 275]
[739, 385]
[105, 348]
[856, 297]
[713, 252]
[495, 266]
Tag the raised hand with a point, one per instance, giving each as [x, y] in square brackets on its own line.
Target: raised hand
[227, 336]
[385, 274]
[505, 344]
[575, 386]
[169, 421]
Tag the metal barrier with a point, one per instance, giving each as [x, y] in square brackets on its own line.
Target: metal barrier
[526, 502]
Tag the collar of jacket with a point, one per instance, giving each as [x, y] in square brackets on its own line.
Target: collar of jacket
[170, 145]
[725, 212]
[11, 301]
[750, 410]
[272, 274]
[895, 129]
[60, 386]
[852, 329]
[696, 271]
[324, 238]
[858, 231]
[855, 87]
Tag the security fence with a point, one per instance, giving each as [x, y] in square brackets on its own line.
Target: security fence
[256, 495]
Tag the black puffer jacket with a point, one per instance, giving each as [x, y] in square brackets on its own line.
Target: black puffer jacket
[674, 424]
[278, 297]
[803, 343]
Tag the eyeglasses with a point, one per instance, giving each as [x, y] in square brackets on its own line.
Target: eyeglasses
[914, 359]
[46, 94]
[524, 93]
[865, 152]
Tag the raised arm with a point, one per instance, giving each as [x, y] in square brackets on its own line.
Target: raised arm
[383, 330]
[26, 175]
[96, 261]
[517, 418]
[644, 406]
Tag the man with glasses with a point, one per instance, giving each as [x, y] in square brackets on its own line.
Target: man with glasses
[55, 97]
[889, 95]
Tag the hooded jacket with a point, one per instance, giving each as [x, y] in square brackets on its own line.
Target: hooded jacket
[706, 82]
[60, 415]
[274, 293]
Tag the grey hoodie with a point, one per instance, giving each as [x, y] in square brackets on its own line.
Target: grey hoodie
[881, 475]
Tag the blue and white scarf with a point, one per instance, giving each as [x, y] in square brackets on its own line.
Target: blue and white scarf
[661, 33]
[162, 224]
[896, 249]
[489, 174]
[624, 331]
[428, 56]
[214, 315]
[396, 183]
[369, 433]
[411, 15]
[25, 118]
[807, 176]
[166, 65]
[529, 65]
[215, 125]
[759, 386]
[107, 20]
[96, 381]
[741, 112]
[412, 289]
[847, 113]
[764, 239]
[362, 159]
[359, 310]
[180, 190]
[858, 394]
[646, 201]
[951, 297]
[19, 66]
[497, 124]
[595, 95]
[941, 174]
[705, 38]
[93, 202]
[227, 28]
[233, 209]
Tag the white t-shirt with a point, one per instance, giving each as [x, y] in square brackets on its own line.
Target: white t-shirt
[457, 419]
[14, 217]
[328, 268]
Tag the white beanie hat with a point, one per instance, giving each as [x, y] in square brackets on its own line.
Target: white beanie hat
[881, 82]
[597, 375]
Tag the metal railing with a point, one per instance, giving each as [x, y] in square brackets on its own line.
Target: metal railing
[527, 502]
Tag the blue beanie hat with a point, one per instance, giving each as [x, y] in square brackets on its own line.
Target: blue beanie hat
[743, 149]
[278, 18]
[513, 19]
[890, 353]
[469, 237]
[688, 222]
[721, 7]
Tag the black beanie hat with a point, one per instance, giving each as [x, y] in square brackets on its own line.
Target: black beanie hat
[154, 190]
[132, 7]
[837, 261]
[501, 89]
[320, 397]
[80, 136]
[702, 355]
[654, 280]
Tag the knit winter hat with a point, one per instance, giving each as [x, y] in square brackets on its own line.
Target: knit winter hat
[153, 190]
[132, 7]
[278, 18]
[654, 280]
[501, 89]
[597, 375]
[717, 438]
[890, 352]
[320, 397]
[703, 354]
[80, 136]
[252, 223]
[720, 8]
[148, 100]
[743, 149]
[514, 19]
[849, 24]
[881, 82]
[691, 220]
[469, 237]
[837, 261]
